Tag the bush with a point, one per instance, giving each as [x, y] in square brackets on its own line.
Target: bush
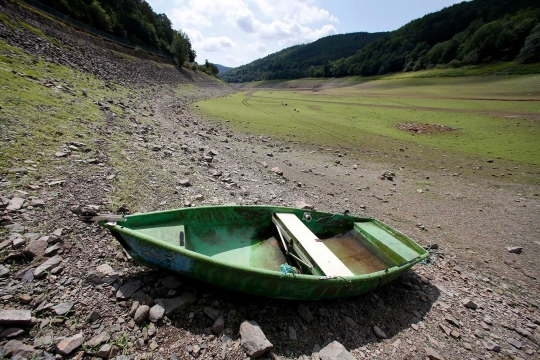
[530, 52]
[455, 63]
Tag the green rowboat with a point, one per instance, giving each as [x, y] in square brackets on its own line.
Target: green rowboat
[269, 251]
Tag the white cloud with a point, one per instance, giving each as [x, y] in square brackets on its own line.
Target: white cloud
[301, 11]
[238, 31]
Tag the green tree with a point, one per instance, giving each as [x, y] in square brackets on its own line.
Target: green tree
[180, 48]
[531, 49]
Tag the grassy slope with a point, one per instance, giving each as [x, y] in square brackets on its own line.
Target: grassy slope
[36, 121]
[363, 117]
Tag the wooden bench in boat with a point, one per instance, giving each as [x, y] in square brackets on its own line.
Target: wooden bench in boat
[314, 249]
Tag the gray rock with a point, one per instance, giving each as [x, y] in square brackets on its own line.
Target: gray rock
[63, 308]
[253, 340]
[350, 321]
[380, 334]
[141, 314]
[335, 351]
[42, 269]
[3, 271]
[515, 343]
[156, 313]
[128, 289]
[134, 307]
[15, 317]
[11, 332]
[15, 347]
[514, 249]
[211, 312]
[432, 354]
[15, 204]
[104, 351]
[184, 182]
[491, 346]
[177, 304]
[94, 315]
[143, 298]
[303, 205]
[304, 313]
[218, 325]
[66, 346]
[171, 282]
[43, 341]
[152, 330]
[292, 334]
[452, 320]
[52, 250]
[469, 304]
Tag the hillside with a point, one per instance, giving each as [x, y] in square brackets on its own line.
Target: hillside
[469, 33]
[302, 60]
[223, 69]
[131, 20]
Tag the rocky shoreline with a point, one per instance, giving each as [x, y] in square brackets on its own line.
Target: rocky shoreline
[68, 290]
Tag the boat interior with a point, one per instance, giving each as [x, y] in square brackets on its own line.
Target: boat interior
[350, 249]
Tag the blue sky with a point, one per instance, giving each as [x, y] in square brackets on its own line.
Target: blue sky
[236, 32]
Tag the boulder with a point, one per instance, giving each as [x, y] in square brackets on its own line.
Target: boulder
[253, 341]
[335, 351]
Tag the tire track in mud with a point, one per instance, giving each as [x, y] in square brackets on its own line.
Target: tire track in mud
[409, 107]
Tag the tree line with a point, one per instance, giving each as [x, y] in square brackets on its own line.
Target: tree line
[469, 33]
[300, 61]
[135, 21]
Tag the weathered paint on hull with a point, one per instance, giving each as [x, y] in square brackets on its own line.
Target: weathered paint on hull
[299, 287]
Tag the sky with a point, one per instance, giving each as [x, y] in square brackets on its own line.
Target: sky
[236, 32]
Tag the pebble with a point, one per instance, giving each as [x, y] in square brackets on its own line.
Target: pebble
[292, 334]
[3, 271]
[380, 334]
[171, 282]
[451, 320]
[42, 269]
[211, 312]
[141, 314]
[98, 339]
[515, 343]
[491, 346]
[469, 304]
[11, 332]
[218, 325]
[514, 249]
[125, 291]
[432, 354]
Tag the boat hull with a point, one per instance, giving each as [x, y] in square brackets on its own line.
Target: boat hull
[260, 282]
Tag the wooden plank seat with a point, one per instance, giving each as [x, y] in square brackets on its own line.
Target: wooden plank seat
[307, 245]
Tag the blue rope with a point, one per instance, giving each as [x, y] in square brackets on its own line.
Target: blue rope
[287, 269]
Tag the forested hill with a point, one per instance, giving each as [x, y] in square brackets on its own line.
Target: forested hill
[133, 20]
[302, 60]
[469, 33]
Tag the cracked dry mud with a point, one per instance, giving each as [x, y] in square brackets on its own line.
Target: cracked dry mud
[477, 300]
